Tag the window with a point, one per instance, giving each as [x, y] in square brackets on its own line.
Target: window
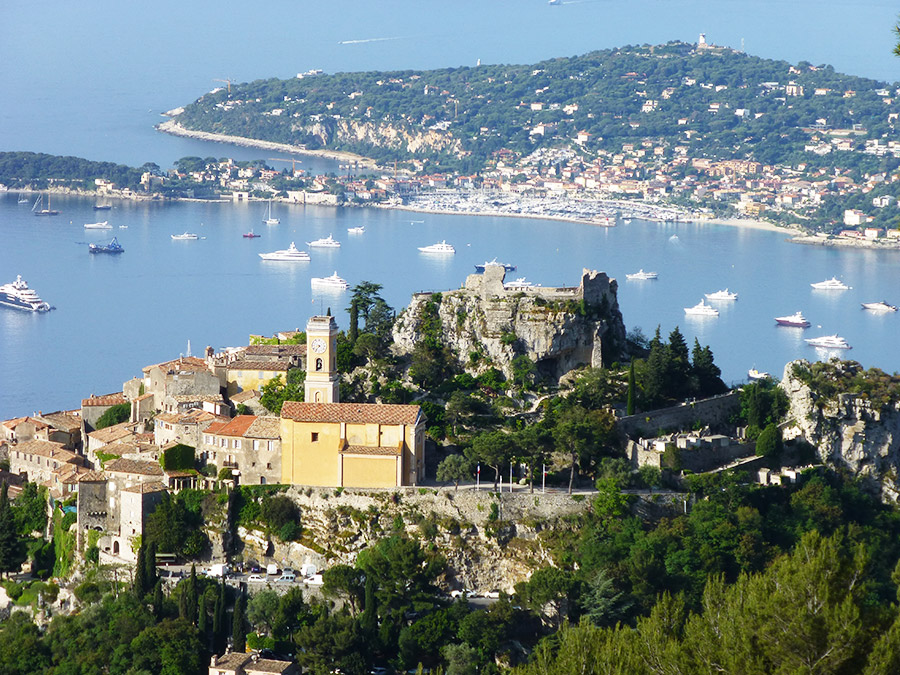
[315, 437]
[318, 364]
[236, 443]
[256, 445]
[259, 375]
[269, 465]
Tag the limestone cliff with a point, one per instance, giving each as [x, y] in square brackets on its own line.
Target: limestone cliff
[557, 328]
[850, 416]
[347, 133]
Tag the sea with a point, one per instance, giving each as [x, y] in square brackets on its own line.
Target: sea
[92, 81]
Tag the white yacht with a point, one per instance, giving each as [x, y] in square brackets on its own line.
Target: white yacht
[832, 284]
[518, 283]
[755, 374]
[722, 295]
[356, 230]
[829, 342]
[187, 236]
[440, 247]
[879, 306]
[327, 242]
[642, 275]
[290, 254]
[98, 226]
[18, 296]
[494, 263]
[794, 320]
[269, 220]
[332, 282]
[701, 309]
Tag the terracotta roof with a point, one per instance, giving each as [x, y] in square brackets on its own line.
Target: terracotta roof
[188, 398]
[276, 350]
[114, 433]
[146, 488]
[92, 477]
[267, 666]
[354, 413]
[182, 364]
[192, 416]
[232, 661]
[70, 473]
[13, 423]
[248, 364]
[105, 400]
[265, 427]
[142, 397]
[370, 450]
[134, 466]
[173, 473]
[244, 396]
[236, 427]
[45, 449]
[64, 421]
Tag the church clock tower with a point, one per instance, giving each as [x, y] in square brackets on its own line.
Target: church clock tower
[322, 379]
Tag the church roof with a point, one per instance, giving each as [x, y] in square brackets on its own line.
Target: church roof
[352, 413]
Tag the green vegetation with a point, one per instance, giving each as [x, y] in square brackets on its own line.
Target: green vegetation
[114, 415]
[275, 392]
[827, 379]
[179, 457]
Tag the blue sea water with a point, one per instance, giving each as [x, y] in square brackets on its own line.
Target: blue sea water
[91, 81]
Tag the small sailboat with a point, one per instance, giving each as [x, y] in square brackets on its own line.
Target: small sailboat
[269, 220]
[22, 199]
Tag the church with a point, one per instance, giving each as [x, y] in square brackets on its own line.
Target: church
[355, 445]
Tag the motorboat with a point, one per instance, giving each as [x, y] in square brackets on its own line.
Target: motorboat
[112, 247]
[356, 230]
[185, 236]
[494, 263]
[332, 282]
[794, 320]
[39, 210]
[701, 309]
[518, 283]
[832, 284]
[440, 247]
[641, 275]
[251, 235]
[269, 220]
[722, 295]
[829, 342]
[102, 207]
[605, 221]
[326, 242]
[755, 374]
[290, 254]
[18, 296]
[98, 226]
[879, 306]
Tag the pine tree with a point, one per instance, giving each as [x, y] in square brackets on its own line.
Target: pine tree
[9, 540]
[238, 632]
[629, 406]
[679, 366]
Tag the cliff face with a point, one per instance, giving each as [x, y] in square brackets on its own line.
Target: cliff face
[849, 430]
[557, 328]
[345, 132]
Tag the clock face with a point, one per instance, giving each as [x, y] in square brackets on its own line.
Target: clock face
[318, 345]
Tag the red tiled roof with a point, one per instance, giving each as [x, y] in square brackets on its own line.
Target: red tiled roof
[353, 413]
[146, 488]
[134, 466]
[114, 433]
[370, 450]
[105, 400]
[244, 396]
[248, 364]
[13, 423]
[182, 364]
[236, 427]
[276, 350]
[92, 477]
[46, 449]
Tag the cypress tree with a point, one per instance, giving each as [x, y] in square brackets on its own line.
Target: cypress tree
[139, 585]
[629, 406]
[187, 601]
[353, 333]
[201, 615]
[150, 575]
[238, 632]
[158, 600]
[368, 622]
[9, 539]
[219, 619]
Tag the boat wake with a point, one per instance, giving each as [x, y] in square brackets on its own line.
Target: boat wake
[364, 41]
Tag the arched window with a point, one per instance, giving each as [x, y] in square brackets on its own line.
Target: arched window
[318, 397]
[115, 548]
[318, 364]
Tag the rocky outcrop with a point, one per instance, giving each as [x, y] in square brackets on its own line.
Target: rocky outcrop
[848, 429]
[559, 329]
[352, 134]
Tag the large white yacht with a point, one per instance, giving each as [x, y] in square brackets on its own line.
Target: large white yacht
[879, 306]
[518, 283]
[722, 295]
[104, 225]
[18, 296]
[359, 229]
[327, 242]
[832, 284]
[794, 320]
[641, 275]
[332, 282]
[187, 236]
[494, 263]
[701, 309]
[290, 254]
[440, 247]
[829, 342]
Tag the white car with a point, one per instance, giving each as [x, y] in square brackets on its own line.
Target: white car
[256, 578]
[461, 594]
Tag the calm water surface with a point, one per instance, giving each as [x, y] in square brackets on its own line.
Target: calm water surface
[116, 314]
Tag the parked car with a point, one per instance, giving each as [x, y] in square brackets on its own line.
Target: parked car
[464, 593]
[287, 577]
[256, 577]
[492, 594]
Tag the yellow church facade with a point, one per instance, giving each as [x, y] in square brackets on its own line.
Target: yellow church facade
[331, 444]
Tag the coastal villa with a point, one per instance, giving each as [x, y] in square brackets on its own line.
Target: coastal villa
[41, 461]
[248, 445]
[183, 427]
[328, 443]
